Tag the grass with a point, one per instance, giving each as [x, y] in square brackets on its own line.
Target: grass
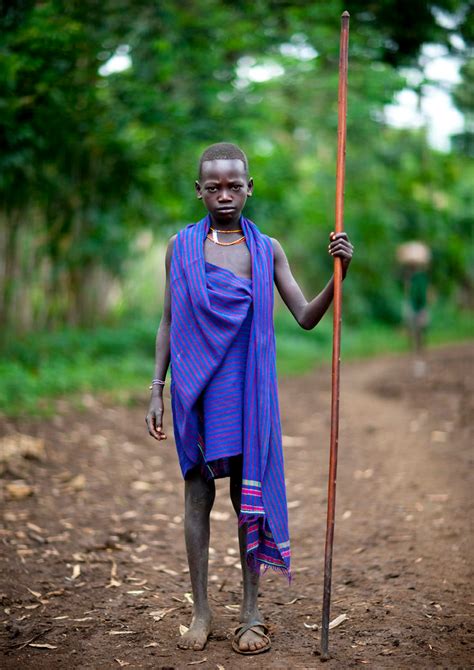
[37, 369]
[299, 350]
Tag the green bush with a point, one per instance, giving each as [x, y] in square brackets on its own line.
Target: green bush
[37, 369]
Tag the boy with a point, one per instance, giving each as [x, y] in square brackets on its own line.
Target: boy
[217, 332]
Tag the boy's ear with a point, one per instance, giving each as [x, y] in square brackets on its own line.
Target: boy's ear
[250, 187]
[198, 188]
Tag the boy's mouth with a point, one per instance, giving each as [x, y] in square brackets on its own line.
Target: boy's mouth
[225, 210]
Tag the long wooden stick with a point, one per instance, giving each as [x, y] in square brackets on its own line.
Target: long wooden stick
[336, 351]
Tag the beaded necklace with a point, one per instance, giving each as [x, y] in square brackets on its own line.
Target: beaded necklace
[214, 238]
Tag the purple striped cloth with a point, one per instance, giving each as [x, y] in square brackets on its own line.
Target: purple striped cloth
[210, 309]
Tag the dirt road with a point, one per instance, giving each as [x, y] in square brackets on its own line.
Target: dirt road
[94, 569]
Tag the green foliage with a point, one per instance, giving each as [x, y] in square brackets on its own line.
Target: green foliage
[403, 26]
[463, 97]
[64, 160]
[117, 361]
[299, 350]
[36, 369]
[88, 162]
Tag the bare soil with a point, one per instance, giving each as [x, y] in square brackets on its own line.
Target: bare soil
[93, 557]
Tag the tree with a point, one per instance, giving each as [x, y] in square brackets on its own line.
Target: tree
[86, 160]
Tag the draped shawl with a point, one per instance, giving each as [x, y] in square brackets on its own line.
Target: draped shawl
[201, 333]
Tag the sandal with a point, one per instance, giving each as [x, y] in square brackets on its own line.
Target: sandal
[253, 626]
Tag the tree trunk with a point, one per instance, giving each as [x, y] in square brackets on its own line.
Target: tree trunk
[9, 252]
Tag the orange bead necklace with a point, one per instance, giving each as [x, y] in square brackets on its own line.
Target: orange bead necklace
[214, 238]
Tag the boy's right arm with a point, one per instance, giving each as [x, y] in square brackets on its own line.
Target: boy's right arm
[154, 418]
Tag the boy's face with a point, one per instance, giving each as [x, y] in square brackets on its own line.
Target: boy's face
[224, 188]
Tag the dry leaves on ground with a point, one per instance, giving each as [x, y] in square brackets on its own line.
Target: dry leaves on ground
[203, 660]
[19, 490]
[42, 645]
[337, 621]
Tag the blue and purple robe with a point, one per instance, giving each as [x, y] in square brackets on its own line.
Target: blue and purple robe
[224, 392]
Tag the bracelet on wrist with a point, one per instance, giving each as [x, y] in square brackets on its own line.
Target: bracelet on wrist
[156, 382]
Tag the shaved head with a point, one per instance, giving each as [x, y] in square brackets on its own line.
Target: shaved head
[223, 151]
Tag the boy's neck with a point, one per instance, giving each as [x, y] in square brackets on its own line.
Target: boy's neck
[235, 223]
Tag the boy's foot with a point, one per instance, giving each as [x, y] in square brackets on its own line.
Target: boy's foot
[196, 637]
[251, 638]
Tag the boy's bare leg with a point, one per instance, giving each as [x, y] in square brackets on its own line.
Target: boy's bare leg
[199, 498]
[249, 611]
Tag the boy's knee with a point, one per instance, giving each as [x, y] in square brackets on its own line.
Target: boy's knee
[199, 497]
[200, 501]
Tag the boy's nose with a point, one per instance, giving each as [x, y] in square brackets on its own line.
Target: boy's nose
[225, 196]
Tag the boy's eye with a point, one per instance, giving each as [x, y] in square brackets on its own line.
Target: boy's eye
[236, 187]
[211, 189]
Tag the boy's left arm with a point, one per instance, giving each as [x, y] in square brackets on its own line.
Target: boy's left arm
[308, 314]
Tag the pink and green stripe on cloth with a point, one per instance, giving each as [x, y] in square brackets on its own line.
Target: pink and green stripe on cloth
[223, 343]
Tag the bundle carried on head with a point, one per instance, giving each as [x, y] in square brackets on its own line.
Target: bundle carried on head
[414, 253]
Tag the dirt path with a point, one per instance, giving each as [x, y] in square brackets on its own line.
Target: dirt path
[94, 562]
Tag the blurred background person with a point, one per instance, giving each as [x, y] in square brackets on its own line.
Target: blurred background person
[415, 257]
